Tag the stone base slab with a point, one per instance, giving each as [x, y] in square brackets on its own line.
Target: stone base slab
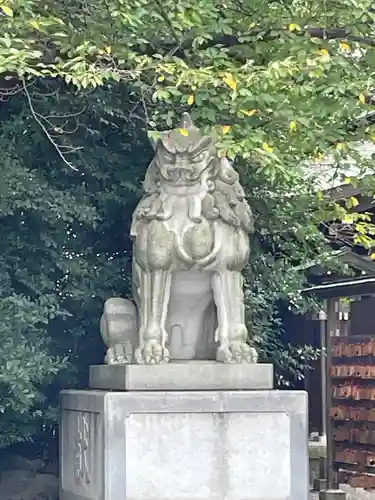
[319, 484]
[332, 495]
[190, 445]
[183, 376]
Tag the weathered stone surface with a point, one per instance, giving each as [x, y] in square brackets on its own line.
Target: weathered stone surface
[351, 493]
[191, 241]
[118, 328]
[332, 495]
[192, 445]
[192, 375]
[317, 452]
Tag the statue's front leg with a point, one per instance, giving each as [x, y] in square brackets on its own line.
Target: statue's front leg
[154, 301]
[223, 318]
[232, 332]
[238, 334]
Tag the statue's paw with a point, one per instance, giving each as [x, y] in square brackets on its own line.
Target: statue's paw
[223, 355]
[152, 354]
[253, 355]
[237, 352]
[119, 354]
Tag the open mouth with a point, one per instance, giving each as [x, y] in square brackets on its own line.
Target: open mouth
[185, 182]
[179, 178]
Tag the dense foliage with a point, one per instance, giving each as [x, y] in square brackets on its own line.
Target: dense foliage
[64, 248]
[282, 83]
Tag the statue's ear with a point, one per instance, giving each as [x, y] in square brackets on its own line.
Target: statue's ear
[154, 136]
[151, 178]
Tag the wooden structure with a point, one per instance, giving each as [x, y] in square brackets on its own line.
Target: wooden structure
[349, 379]
[345, 331]
[310, 329]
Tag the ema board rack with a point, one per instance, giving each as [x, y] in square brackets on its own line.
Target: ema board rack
[353, 409]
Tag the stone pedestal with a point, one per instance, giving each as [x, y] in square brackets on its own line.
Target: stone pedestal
[319, 484]
[332, 495]
[184, 445]
[182, 376]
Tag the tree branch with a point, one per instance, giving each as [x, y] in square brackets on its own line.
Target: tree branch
[229, 41]
[342, 33]
[39, 121]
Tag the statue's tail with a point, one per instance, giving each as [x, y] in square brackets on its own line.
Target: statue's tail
[118, 322]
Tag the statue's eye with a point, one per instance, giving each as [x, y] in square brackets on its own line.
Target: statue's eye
[169, 158]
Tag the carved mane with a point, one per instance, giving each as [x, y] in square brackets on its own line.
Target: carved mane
[224, 196]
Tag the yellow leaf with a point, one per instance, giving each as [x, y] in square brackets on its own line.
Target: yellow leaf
[323, 52]
[372, 256]
[108, 49]
[184, 132]
[353, 201]
[319, 156]
[34, 24]
[292, 126]
[348, 219]
[226, 129]
[345, 46]
[190, 100]
[249, 112]
[373, 138]
[347, 180]
[230, 81]
[161, 78]
[340, 146]
[362, 98]
[294, 27]
[267, 148]
[7, 10]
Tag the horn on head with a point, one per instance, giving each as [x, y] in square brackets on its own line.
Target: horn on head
[186, 121]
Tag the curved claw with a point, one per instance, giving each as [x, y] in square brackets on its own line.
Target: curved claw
[152, 354]
[223, 355]
[119, 354]
[237, 352]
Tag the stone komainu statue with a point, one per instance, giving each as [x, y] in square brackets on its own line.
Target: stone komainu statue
[190, 233]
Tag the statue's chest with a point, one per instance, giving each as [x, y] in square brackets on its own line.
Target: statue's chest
[196, 238]
[191, 235]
